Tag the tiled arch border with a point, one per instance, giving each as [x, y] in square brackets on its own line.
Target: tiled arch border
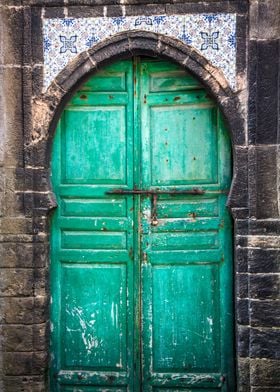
[212, 34]
[49, 106]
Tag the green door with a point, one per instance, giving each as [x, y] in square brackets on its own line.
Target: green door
[141, 263]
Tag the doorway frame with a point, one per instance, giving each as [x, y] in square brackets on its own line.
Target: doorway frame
[49, 106]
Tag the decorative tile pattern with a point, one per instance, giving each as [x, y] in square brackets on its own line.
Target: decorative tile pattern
[214, 35]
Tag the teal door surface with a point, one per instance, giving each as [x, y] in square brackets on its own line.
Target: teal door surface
[141, 255]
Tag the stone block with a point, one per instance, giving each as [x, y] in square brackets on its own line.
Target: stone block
[85, 12]
[41, 255]
[1, 204]
[263, 260]
[244, 388]
[265, 286]
[243, 335]
[264, 226]
[37, 80]
[16, 255]
[241, 260]
[23, 364]
[23, 310]
[17, 338]
[242, 311]
[24, 384]
[264, 343]
[38, 203]
[16, 225]
[41, 281]
[40, 224]
[35, 154]
[54, 12]
[40, 337]
[243, 373]
[252, 91]
[16, 282]
[115, 10]
[241, 241]
[239, 213]
[93, 2]
[36, 35]
[268, 55]
[238, 196]
[242, 55]
[148, 9]
[17, 363]
[267, 26]
[242, 226]
[191, 6]
[40, 362]
[265, 372]
[11, 20]
[241, 285]
[265, 313]
[266, 182]
[11, 2]
[27, 39]
[41, 179]
[10, 182]
[51, 3]
[12, 203]
[11, 116]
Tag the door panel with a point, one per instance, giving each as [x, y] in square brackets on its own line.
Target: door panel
[90, 132]
[180, 343]
[93, 319]
[92, 237]
[189, 127]
[141, 286]
[183, 325]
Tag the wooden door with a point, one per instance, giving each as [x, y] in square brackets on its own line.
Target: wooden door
[141, 265]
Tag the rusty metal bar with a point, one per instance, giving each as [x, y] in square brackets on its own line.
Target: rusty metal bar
[151, 192]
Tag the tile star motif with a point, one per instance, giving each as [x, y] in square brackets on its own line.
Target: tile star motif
[210, 40]
[213, 35]
[68, 44]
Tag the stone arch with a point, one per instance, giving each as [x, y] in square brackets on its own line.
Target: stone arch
[47, 108]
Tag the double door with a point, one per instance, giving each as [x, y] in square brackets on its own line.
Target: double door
[141, 265]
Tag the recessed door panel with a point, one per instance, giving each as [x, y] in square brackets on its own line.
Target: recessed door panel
[181, 342]
[191, 127]
[89, 132]
[93, 207]
[94, 321]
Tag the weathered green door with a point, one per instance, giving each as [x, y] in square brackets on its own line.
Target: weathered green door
[141, 265]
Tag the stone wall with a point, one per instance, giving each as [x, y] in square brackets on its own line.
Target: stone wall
[26, 118]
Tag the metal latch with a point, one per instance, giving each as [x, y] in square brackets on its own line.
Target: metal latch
[154, 193]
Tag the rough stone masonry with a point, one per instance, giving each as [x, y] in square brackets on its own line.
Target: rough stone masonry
[26, 121]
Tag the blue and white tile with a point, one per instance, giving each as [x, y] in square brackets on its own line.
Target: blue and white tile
[213, 35]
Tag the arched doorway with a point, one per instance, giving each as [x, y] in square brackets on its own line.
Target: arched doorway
[141, 265]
